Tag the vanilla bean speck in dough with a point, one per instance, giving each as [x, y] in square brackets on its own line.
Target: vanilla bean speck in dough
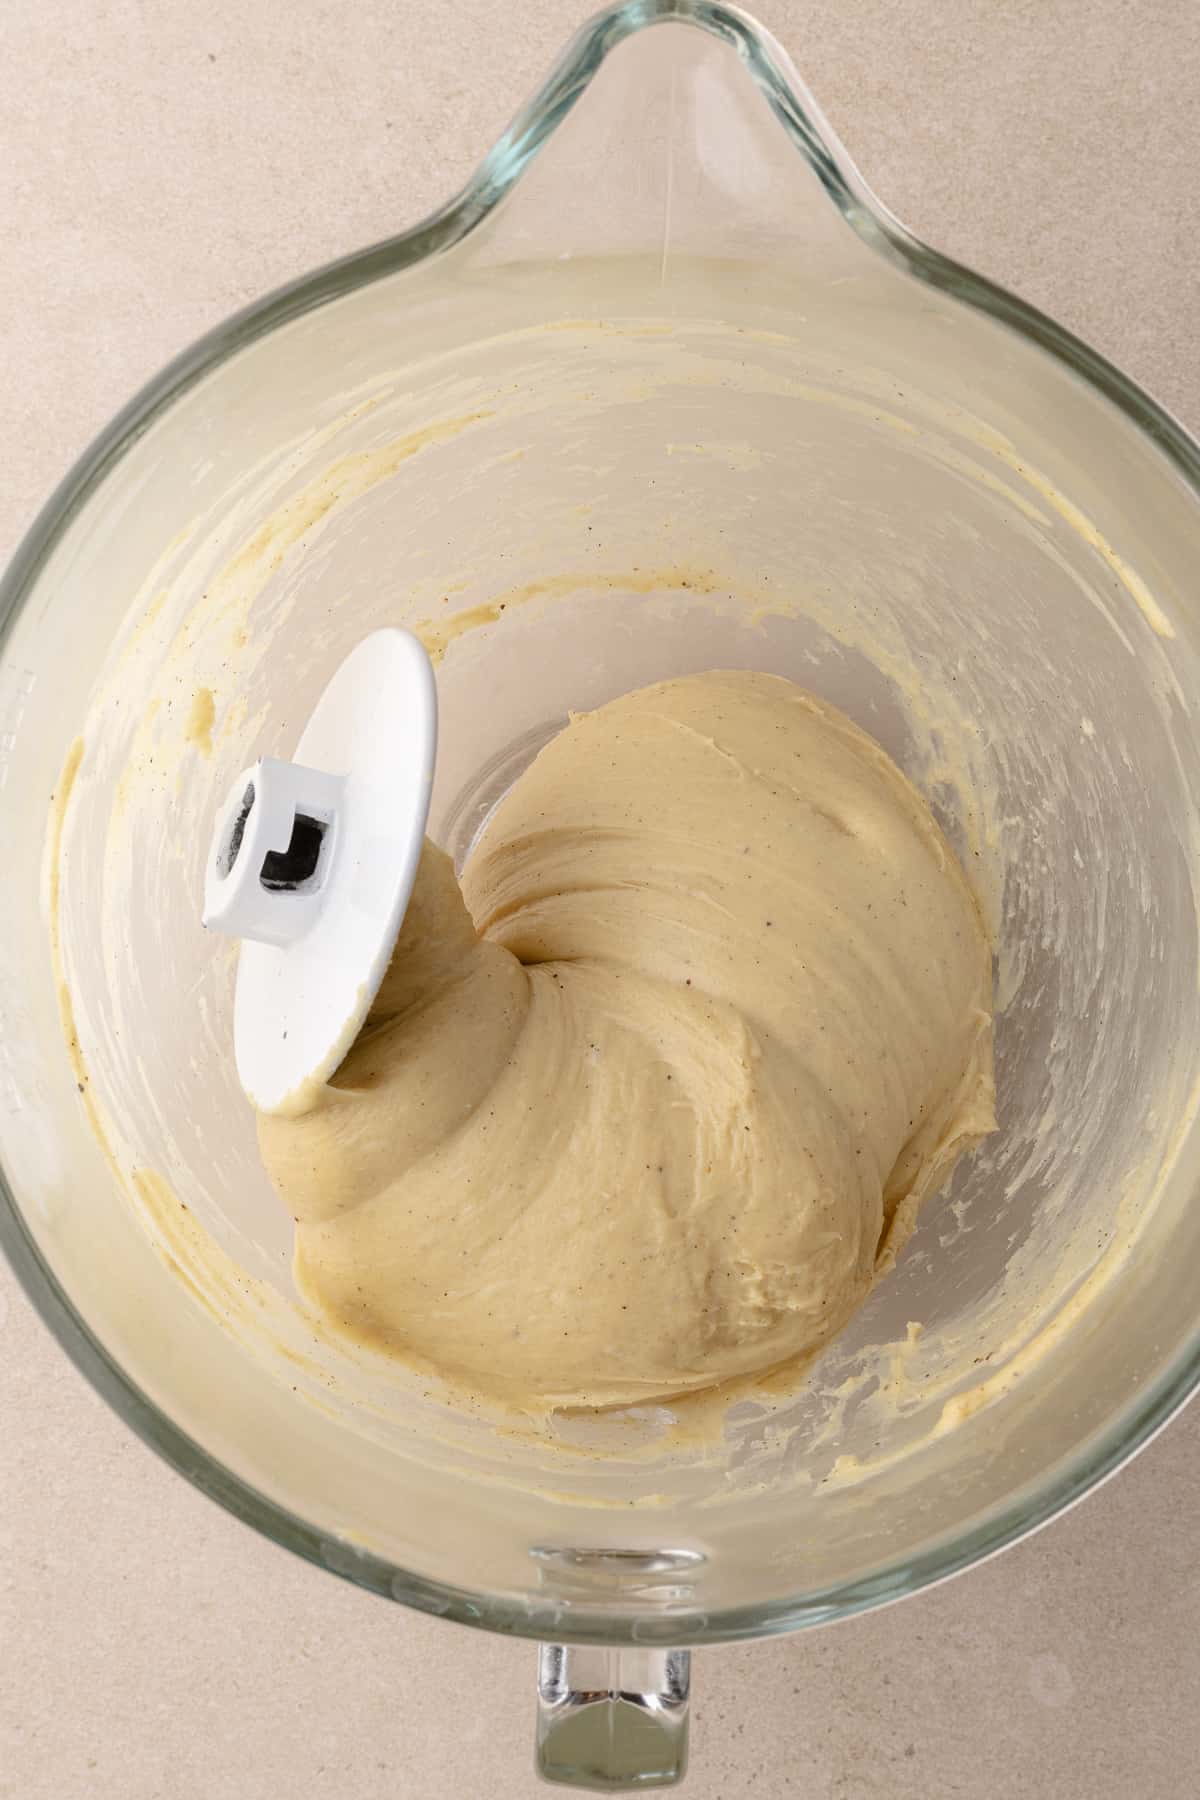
[651, 1102]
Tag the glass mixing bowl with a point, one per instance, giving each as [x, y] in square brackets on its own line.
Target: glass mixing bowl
[664, 389]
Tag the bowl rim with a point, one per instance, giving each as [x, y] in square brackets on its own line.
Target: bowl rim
[1100, 1456]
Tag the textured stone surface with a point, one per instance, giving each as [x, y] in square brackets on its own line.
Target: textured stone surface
[163, 165]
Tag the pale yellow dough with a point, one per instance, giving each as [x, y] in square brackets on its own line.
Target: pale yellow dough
[662, 1114]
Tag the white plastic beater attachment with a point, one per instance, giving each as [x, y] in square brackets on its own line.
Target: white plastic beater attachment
[313, 862]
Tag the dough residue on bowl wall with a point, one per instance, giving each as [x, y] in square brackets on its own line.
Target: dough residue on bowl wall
[210, 619]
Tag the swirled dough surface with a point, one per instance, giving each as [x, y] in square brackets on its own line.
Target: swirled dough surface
[652, 1101]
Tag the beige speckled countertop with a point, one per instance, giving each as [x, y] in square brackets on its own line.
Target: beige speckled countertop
[162, 166]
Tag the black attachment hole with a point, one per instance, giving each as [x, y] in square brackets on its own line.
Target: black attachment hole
[229, 854]
[284, 871]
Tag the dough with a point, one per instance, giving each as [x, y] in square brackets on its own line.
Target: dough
[659, 1117]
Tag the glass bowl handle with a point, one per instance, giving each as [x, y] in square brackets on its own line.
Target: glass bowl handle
[611, 1719]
